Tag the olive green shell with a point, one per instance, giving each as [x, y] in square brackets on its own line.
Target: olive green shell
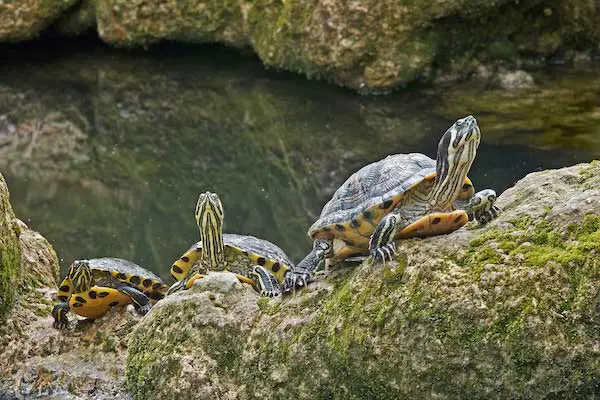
[107, 271]
[241, 252]
[372, 192]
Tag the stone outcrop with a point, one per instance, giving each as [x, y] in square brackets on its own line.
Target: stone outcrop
[509, 310]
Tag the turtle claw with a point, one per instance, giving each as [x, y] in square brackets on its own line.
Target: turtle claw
[489, 215]
[384, 253]
[296, 279]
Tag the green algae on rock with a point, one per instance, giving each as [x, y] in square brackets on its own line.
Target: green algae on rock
[504, 311]
[10, 252]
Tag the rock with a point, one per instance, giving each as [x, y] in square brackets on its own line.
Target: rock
[25, 19]
[512, 80]
[85, 362]
[509, 310]
[10, 252]
[78, 19]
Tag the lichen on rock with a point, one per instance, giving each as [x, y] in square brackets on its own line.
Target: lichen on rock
[503, 311]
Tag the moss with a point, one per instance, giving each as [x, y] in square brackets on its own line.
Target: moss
[10, 252]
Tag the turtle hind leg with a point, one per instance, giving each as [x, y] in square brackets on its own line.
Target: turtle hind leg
[267, 284]
[59, 313]
[302, 274]
[140, 301]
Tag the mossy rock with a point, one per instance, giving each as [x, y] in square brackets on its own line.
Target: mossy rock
[10, 252]
[373, 46]
[510, 310]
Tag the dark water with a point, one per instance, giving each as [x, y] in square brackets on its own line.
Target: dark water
[105, 151]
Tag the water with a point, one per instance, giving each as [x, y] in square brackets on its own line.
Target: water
[105, 151]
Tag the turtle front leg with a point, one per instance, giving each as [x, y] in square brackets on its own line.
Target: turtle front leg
[381, 245]
[303, 273]
[482, 206]
[140, 301]
[59, 312]
[265, 281]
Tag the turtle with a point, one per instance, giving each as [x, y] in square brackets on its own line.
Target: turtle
[254, 261]
[400, 196]
[94, 286]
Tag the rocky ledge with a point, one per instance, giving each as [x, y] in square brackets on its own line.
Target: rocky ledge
[510, 310]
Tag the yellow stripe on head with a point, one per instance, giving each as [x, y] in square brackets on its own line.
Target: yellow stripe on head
[80, 275]
[209, 217]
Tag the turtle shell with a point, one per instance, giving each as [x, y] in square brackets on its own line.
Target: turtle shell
[249, 250]
[127, 272]
[369, 194]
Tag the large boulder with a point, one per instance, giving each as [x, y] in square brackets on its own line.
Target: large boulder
[510, 310]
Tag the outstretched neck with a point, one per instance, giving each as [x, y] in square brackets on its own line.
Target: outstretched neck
[451, 172]
[211, 236]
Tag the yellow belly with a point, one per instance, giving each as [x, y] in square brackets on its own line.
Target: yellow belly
[97, 301]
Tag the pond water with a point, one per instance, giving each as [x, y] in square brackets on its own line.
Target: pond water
[105, 151]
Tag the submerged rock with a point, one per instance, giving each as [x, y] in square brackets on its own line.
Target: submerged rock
[505, 311]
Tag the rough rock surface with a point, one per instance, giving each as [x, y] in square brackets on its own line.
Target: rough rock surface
[84, 362]
[511, 310]
[25, 19]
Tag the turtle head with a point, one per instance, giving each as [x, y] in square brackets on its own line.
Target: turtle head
[209, 217]
[80, 274]
[456, 152]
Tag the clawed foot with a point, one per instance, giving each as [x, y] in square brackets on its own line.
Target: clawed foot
[487, 216]
[269, 293]
[384, 253]
[59, 312]
[296, 279]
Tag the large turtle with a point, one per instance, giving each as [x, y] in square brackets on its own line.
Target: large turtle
[93, 286]
[255, 261]
[400, 196]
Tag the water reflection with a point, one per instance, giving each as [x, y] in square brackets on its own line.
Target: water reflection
[106, 151]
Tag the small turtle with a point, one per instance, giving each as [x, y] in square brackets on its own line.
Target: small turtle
[400, 196]
[255, 261]
[93, 286]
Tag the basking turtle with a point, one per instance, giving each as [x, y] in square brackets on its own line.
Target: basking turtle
[401, 196]
[255, 261]
[92, 287]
